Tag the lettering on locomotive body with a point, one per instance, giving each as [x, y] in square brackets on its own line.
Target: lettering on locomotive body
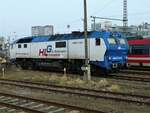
[50, 52]
[49, 48]
[77, 42]
[42, 52]
[22, 54]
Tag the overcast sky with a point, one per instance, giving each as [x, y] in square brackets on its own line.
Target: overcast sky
[19, 15]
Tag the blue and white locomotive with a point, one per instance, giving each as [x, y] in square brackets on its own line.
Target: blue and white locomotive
[68, 51]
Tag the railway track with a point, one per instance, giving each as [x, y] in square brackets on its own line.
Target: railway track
[132, 75]
[129, 78]
[129, 98]
[21, 104]
[137, 72]
[123, 75]
[139, 68]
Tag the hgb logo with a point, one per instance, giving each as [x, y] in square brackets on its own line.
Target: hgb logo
[43, 52]
[49, 48]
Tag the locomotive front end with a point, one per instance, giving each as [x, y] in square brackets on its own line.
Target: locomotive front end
[116, 54]
[110, 53]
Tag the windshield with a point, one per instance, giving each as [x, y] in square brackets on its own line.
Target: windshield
[122, 41]
[112, 40]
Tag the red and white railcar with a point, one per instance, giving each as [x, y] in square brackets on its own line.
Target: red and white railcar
[139, 52]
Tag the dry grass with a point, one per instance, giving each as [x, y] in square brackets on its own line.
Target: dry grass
[114, 88]
[102, 83]
[74, 111]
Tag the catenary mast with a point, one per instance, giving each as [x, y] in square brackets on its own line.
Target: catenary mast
[87, 73]
[125, 15]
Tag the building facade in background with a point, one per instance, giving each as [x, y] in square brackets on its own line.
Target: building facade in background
[135, 30]
[2, 43]
[42, 30]
[4, 50]
[106, 25]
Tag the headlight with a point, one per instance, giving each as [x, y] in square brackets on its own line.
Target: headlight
[109, 58]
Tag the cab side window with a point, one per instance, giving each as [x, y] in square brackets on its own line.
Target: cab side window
[19, 46]
[97, 42]
[25, 45]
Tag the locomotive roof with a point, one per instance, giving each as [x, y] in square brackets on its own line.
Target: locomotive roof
[73, 35]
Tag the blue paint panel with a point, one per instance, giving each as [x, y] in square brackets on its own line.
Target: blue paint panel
[40, 39]
[76, 35]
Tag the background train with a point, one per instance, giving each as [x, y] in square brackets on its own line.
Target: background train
[107, 51]
[139, 52]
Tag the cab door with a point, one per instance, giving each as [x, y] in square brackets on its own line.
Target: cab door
[97, 49]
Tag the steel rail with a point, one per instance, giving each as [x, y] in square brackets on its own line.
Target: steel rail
[132, 78]
[137, 72]
[20, 108]
[72, 107]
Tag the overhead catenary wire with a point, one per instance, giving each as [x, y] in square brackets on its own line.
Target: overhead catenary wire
[104, 7]
[130, 14]
[80, 20]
